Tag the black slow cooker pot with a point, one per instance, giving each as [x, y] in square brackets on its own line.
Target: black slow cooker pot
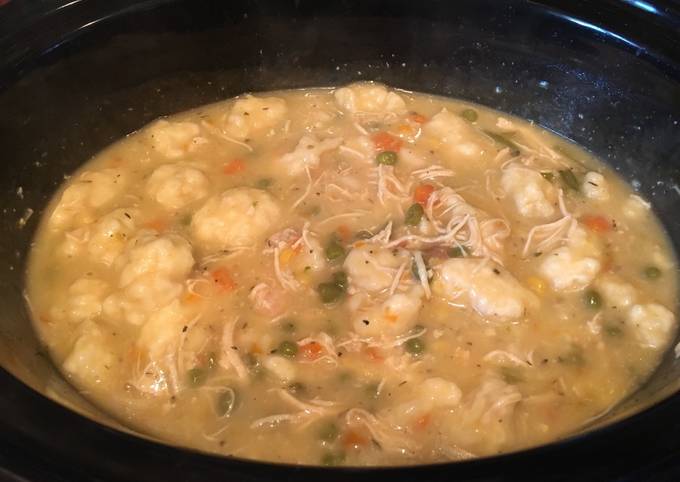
[77, 75]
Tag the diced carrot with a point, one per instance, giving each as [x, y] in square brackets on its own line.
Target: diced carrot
[536, 284]
[415, 117]
[374, 354]
[310, 351]
[353, 439]
[234, 167]
[596, 223]
[405, 129]
[255, 348]
[158, 224]
[386, 142]
[390, 316]
[344, 232]
[223, 279]
[286, 256]
[422, 422]
[422, 193]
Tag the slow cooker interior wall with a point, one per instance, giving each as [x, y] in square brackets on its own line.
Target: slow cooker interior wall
[113, 77]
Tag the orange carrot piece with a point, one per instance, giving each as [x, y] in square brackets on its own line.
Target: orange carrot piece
[422, 193]
[415, 117]
[191, 297]
[310, 351]
[422, 422]
[158, 224]
[374, 354]
[386, 142]
[596, 223]
[344, 232]
[353, 439]
[234, 167]
[223, 279]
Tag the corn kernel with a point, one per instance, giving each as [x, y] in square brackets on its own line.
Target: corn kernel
[536, 284]
[286, 255]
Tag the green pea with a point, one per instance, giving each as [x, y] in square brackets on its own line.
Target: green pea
[548, 176]
[504, 142]
[254, 365]
[592, 299]
[334, 250]
[330, 292]
[340, 279]
[297, 387]
[372, 390]
[389, 158]
[225, 402]
[469, 115]
[413, 215]
[328, 432]
[345, 376]
[569, 179]
[456, 252]
[332, 458]
[573, 357]
[196, 377]
[415, 346]
[511, 375]
[186, 220]
[264, 183]
[652, 272]
[612, 329]
[287, 348]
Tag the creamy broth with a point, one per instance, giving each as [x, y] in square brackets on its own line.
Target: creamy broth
[352, 276]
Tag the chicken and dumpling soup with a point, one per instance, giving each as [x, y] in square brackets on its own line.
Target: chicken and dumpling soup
[351, 276]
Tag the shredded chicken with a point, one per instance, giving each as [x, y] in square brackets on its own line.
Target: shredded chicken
[231, 359]
[306, 414]
[546, 237]
[389, 438]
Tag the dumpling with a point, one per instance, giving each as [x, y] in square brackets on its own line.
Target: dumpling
[653, 324]
[167, 255]
[237, 217]
[533, 195]
[574, 266]
[394, 316]
[367, 98]
[488, 288]
[252, 115]
[91, 191]
[372, 268]
[173, 139]
[176, 185]
[307, 154]
[91, 360]
[457, 136]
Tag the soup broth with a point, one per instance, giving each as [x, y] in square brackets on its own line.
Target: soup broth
[351, 276]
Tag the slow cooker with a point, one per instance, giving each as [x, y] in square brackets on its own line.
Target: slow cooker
[76, 75]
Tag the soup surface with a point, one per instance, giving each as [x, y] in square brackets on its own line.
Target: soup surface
[356, 276]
